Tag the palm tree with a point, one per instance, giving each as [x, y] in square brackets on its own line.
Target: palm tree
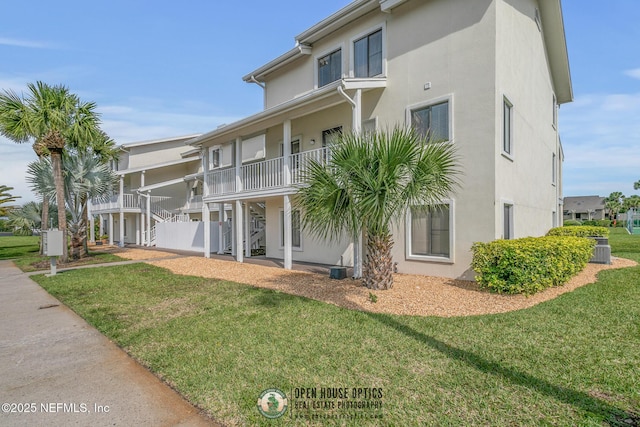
[6, 197]
[53, 117]
[613, 204]
[85, 177]
[29, 217]
[636, 185]
[370, 181]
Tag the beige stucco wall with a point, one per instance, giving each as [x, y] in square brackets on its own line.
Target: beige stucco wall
[523, 76]
[312, 250]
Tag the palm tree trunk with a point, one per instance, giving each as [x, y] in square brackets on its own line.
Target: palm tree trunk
[44, 219]
[56, 162]
[378, 265]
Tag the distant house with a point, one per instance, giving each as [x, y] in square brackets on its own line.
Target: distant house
[584, 208]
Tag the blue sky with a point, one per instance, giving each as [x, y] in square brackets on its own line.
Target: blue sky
[166, 68]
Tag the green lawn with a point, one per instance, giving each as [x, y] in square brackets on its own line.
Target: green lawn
[18, 246]
[24, 251]
[574, 360]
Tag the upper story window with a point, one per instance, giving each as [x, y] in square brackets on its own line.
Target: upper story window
[214, 161]
[330, 68]
[555, 112]
[368, 55]
[432, 121]
[507, 127]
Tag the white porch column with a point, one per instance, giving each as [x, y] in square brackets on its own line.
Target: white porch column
[138, 230]
[239, 225]
[148, 218]
[234, 216]
[247, 231]
[121, 205]
[101, 227]
[222, 219]
[356, 125]
[206, 217]
[92, 224]
[143, 228]
[141, 220]
[110, 228]
[286, 152]
[288, 258]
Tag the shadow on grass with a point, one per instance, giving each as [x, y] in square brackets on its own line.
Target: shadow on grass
[610, 414]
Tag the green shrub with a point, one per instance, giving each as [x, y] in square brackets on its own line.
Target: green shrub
[570, 222]
[529, 265]
[579, 231]
[603, 223]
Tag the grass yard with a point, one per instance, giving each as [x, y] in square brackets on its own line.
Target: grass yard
[574, 360]
[18, 246]
[24, 250]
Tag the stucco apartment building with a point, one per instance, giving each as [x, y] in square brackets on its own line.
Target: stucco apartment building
[486, 75]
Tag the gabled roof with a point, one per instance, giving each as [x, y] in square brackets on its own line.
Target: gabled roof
[158, 141]
[583, 203]
[157, 165]
[550, 12]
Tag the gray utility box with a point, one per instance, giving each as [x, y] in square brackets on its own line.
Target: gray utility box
[52, 241]
[338, 273]
[602, 251]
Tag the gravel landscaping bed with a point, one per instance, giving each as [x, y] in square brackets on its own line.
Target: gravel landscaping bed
[411, 294]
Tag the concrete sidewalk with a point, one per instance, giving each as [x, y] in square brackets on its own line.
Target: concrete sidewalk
[57, 370]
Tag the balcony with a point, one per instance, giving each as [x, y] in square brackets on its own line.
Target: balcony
[129, 201]
[264, 175]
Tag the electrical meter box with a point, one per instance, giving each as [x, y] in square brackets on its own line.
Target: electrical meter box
[52, 241]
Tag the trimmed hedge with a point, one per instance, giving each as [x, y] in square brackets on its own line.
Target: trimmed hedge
[579, 231]
[571, 222]
[530, 265]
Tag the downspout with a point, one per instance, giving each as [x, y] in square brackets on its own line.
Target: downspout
[252, 79]
[356, 126]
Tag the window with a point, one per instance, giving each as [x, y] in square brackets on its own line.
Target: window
[553, 168]
[555, 112]
[507, 216]
[330, 68]
[507, 127]
[330, 136]
[432, 121]
[367, 55]
[214, 158]
[295, 229]
[429, 231]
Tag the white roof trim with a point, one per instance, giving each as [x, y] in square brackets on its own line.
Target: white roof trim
[158, 141]
[161, 184]
[297, 52]
[309, 97]
[157, 165]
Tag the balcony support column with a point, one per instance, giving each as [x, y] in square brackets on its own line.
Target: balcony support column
[148, 218]
[286, 152]
[239, 226]
[101, 226]
[138, 230]
[206, 217]
[110, 228]
[141, 216]
[121, 205]
[222, 220]
[247, 231]
[233, 231]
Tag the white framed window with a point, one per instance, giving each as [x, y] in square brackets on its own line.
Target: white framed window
[554, 169]
[370, 126]
[329, 67]
[214, 157]
[507, 221]
[296, 234]
[368, 55]
[555, 112]
[507, 127]
[330, 136]
[430, 232]
[432, 119]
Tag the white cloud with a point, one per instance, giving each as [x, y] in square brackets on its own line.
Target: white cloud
[31, 44]
[601, 140]
[635, 73]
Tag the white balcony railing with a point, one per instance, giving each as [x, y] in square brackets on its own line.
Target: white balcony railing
[129, 201]
[267, 174]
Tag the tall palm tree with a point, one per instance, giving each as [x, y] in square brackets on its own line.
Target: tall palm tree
[613, 204]
[85, 177]
[370, 181]
[54, 117]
